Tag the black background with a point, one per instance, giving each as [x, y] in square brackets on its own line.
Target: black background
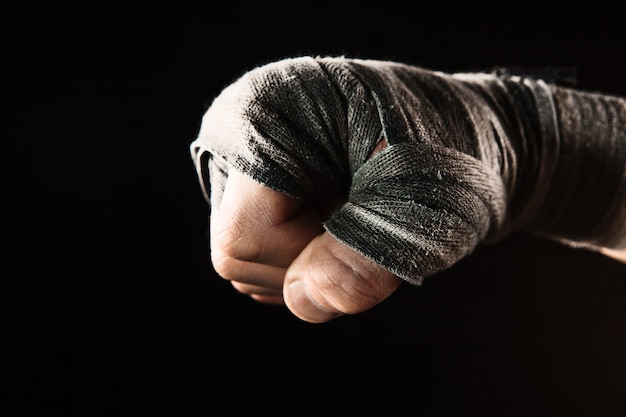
[112, 307]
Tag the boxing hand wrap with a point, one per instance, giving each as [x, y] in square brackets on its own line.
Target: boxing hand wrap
[470, 157]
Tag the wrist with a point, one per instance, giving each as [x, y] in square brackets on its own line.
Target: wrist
[581, 176]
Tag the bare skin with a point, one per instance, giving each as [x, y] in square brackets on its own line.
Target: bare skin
[274, 249]
[620, 255]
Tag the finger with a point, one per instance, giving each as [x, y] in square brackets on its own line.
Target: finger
[268, 299]
[257, 224]
[329, 279]
[247, 272]
[260, 294]
[256, 291]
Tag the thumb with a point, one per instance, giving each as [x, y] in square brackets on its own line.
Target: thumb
[329, 279]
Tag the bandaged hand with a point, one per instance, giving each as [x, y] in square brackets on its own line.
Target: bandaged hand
[331, 180]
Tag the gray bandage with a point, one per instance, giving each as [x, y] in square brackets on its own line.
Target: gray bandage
[470, 156]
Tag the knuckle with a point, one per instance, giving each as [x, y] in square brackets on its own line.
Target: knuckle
[341, 287]
[236, 242]
[223, 264]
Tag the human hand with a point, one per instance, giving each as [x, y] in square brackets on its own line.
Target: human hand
[274, 249]
[467, 158]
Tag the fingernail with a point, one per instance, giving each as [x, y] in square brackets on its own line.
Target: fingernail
[304, 307]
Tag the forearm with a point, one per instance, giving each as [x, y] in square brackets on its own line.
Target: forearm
[584, 189]
[561, 155]
[587, 195]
